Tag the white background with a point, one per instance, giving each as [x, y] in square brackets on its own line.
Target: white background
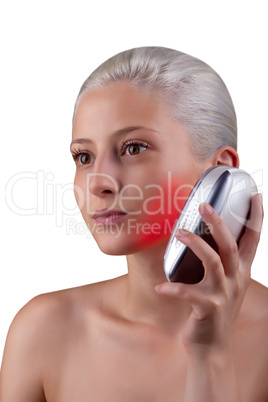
[47, 50]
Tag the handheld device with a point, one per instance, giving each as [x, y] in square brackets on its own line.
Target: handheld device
[229, 191]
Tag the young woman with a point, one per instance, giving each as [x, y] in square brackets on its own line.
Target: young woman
[147, 124]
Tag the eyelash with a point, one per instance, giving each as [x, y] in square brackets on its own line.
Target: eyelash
[77, 153]
[127, 144]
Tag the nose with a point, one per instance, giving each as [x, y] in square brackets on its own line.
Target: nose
[101, 184]
[104, 180]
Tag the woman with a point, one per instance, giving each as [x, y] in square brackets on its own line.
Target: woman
[147, 124]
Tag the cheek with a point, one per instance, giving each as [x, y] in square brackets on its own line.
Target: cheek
[79, 193]
[168, 198]
[161, 209]
[153, 210]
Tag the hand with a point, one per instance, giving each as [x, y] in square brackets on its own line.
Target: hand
[217, 299]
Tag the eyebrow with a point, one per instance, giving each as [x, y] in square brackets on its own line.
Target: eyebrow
[122, 131]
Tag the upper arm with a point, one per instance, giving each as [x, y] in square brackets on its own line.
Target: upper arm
[23, 360]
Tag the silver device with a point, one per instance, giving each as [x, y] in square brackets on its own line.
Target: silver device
[229, 191]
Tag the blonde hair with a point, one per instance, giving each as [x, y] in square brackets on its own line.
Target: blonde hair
[196, 95]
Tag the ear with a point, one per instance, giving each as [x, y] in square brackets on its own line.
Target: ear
[226, 156]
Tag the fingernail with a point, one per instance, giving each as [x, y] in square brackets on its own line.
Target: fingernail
[182, 232]
[205, 209]
[260, 198]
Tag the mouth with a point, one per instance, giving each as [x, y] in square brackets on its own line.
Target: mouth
[106, 218]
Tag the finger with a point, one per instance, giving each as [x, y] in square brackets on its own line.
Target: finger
[224, 239]
[195, 295]
[191, 293]
[209, 257]
[249, 241]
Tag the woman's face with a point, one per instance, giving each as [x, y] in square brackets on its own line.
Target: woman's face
[134, 167]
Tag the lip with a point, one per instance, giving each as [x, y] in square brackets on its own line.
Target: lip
[108, 217]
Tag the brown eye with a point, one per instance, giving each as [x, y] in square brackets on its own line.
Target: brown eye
[86, 159]
[134, 149]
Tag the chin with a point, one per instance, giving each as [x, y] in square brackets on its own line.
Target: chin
[128, 244]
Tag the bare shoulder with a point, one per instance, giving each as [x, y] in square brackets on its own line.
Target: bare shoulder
[41, 334]
[253, 324]
[50, 313]
[257, 298]
[254, 312]
[251, 343]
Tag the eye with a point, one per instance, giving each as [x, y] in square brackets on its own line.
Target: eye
[133, 148]
[83, 158]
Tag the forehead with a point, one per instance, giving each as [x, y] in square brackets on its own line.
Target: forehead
[119, 104]
[107, 112]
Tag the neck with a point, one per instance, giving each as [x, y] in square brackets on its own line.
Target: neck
[143, 302]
